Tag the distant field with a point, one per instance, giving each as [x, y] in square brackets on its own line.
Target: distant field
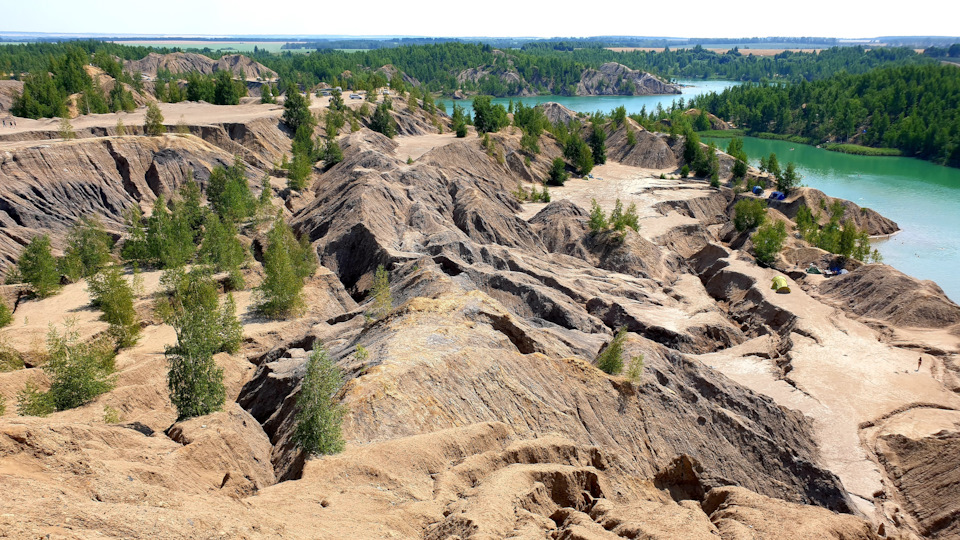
[744, 51]
[239, 46]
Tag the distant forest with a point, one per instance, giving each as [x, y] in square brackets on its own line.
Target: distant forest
[915, 109]
[882, 97]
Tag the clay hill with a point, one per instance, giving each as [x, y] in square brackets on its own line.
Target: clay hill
[180, 62]
[477, 409]
[611, 79]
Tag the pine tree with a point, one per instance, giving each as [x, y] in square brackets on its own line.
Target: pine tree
[380, 292]
[38, 267]
[286, 263]
[114, 296]
[194, 379]
[382, 121]
[598, 219]
[153, 124]
[222, 249]
[319, 415]
[610, 360]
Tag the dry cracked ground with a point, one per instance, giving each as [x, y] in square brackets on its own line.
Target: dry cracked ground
[478, 412]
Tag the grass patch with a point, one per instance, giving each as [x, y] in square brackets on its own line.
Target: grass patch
[723, 133]
[858, 150]
[789, 138]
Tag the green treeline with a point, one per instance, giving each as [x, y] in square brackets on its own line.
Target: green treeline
[915, 109]
[544, 67]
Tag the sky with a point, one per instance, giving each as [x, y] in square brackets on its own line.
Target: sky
[441, 18]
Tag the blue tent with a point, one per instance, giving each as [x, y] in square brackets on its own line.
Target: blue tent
[757, 190]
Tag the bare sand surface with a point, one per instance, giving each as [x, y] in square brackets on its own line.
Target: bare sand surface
[842, 374]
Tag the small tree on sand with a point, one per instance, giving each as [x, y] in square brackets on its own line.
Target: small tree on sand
[319, 415]
[153, 124]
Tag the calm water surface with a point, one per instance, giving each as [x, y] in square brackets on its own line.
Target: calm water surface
[590, 104]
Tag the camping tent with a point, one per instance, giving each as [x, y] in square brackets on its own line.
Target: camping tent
[780, 285]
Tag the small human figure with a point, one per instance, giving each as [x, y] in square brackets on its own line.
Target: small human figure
[919, 363]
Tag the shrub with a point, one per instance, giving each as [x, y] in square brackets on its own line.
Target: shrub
[598, 219]
[222, 249]
[685, 171]
[153, 124]
[610, 359]
[65, 130]
[3, 405]
[789, 179]
[631, 138]
[6, 316]
[749, 213]
[111, 415]
[37, 267]
[194, 379]
[135, 245]
[286, 264]
[382, 121]
[558, 172]
[768, 241]
[620, 220]
[231, 331]
[228, 192]
[114, 296]
[635, 370]
[169, 236]
[32, 402]
[78, 372]
[88, 249]
[319, 415]
[380, 292]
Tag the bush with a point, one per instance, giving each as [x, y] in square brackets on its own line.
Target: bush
[685, 171]
[231, 331]
[78, 373]
[598, 219]
[114, 296]
[222, 249]
[749, 213]
[380, 292]
[635, 371]
[382, 121]
[32, 402]
[319, 415]
[37, 267]
[194, 379]
[286, 264]
[88, 249]
[6, 316]
[169, 237]
[610, 359]
[558, 172]
[229, 193]
[768, 241]
[789, 179]
[620, 220]
[153, 125]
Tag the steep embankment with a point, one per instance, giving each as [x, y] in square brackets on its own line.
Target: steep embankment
[183, 63]
[46, 188]
[613, 79]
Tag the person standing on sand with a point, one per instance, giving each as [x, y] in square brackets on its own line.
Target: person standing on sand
[919, 363]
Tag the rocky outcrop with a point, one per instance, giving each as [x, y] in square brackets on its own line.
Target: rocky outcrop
[613, 79]
[9, 90]
[389, 70]
[180, 62]
[881, 292]
[648, 150]
[557, 113]
[820, 204]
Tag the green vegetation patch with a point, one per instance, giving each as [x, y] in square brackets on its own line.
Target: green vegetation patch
[859, 150]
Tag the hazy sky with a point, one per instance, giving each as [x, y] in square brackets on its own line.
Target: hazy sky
[699, 18]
